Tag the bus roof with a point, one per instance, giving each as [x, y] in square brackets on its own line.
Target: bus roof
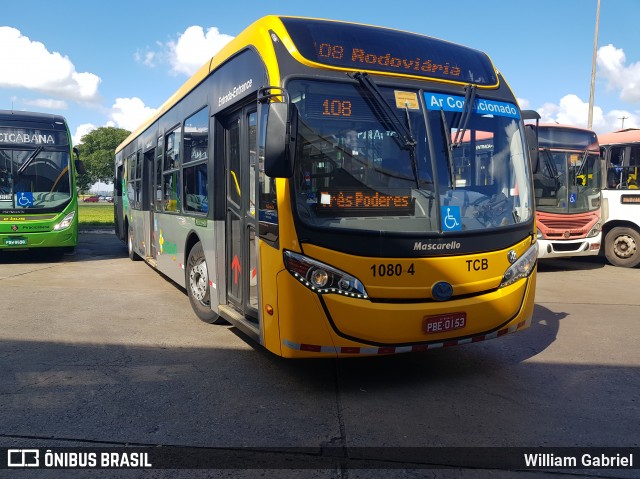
[300, 35]
[560, 136]
[629, 135]
[22, 117]
[561, 125]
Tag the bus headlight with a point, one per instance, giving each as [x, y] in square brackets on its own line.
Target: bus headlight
[522, 267]
[595, 230]
[539, 234]
[65, 223]
[322, 278]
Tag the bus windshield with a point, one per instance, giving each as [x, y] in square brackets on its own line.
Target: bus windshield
[569, 174]
[462, 169]
[34, 178]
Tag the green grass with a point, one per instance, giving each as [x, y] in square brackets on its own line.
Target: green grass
[95, 214]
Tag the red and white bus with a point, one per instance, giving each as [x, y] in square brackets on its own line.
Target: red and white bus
[567, 177]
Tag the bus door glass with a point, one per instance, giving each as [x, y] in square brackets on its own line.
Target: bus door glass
[240, 156]
[149, 198]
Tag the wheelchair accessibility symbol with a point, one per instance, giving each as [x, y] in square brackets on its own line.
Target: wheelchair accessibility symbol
[24, 199]
[450, 218]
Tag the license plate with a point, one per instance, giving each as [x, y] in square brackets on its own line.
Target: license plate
[15, 241]
[441, 323]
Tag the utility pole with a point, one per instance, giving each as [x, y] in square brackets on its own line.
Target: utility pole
[593, 68]
[623, 118]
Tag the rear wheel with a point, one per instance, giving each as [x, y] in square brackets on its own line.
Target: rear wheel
[622, 247]
[198, 288]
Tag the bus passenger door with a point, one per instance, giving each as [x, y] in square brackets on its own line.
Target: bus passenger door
[241, 264]
[118, 202]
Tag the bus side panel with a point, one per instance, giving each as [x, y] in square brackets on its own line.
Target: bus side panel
[136, 225]
[270, 265]
[301, 319]
[619, 211]
[170, 247]
[212, 239]
[171, 234]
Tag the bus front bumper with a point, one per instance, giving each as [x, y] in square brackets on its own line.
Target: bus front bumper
[568, 248]
[335, 325]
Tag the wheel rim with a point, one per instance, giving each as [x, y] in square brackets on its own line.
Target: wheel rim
[198, 281]
[624, 246]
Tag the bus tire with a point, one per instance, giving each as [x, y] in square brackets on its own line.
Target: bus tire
[197, 281]
[622, 247]
[133, 256]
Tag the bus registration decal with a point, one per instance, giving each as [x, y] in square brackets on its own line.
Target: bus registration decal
[441, 323]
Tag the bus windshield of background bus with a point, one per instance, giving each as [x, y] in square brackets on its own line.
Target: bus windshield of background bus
[34, 178]
[568, 181]
[353, 172]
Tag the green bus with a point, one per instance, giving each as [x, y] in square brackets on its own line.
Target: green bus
[38, 196]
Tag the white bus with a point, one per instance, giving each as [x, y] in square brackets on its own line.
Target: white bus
[621, 150]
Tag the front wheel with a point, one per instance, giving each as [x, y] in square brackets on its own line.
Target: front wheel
[198, 286]
[622, 247]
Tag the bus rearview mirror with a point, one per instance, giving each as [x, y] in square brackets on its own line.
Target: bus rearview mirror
[533, 147]
[279, 139]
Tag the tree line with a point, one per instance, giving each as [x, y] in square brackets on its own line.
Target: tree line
[97, 152]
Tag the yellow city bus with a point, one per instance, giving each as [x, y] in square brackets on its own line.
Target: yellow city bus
[302, 187]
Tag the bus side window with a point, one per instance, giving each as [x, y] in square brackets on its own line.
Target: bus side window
[171, 173]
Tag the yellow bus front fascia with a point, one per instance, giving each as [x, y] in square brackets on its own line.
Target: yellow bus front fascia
[334, 325]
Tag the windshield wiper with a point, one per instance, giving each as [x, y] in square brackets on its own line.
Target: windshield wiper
[28, 161]
[552, 169]
[461, 129]
[387, 116]
[449, 147]
[467, 110]
[585, 158]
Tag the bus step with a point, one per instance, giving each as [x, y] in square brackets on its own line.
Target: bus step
[236, 318]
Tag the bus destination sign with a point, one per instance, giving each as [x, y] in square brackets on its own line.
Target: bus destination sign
[32, 137]
[360, 202]
[360, 47]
